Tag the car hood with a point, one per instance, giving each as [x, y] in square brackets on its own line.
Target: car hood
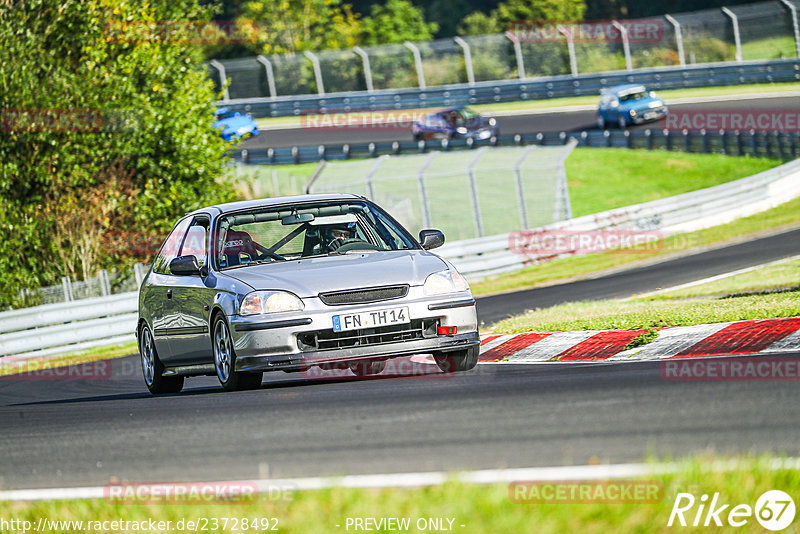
[310, 276]
[642, 104]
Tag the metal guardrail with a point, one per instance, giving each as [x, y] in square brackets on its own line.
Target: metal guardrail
[745, 143]
[107, 320]
[704, 75]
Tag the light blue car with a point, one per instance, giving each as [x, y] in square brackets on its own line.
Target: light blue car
[234, 125]
[629, 104]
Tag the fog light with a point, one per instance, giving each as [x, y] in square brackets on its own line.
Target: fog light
[446, 330]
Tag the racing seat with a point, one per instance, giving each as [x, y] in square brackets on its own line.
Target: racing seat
[236, 245]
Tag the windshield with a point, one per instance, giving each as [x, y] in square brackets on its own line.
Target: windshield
[282, 233]
[633, 96]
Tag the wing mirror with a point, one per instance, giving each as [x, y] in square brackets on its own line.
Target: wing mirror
[185, 266]
[430, 239]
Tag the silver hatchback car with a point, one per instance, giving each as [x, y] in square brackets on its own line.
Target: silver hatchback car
[295, 282]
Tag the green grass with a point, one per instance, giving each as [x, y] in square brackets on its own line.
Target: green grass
[607, 178]
[784, 216]
[479, 508]
[68, 358]
[526, 105]
[649, 313]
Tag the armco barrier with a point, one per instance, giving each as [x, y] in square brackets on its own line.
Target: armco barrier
[745, 143]
[67, 326]
[703, 75]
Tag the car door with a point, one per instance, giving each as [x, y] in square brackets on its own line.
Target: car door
[157, 291]
[192, 298]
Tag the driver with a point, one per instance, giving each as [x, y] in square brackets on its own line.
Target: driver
[337, 234]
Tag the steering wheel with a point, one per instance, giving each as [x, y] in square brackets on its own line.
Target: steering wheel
[356, 244]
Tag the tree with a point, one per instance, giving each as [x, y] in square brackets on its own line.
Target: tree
[511, 11]
[107, 131]
[288, 26]
[396, 21]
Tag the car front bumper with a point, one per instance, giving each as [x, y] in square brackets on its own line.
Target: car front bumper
[276, 343]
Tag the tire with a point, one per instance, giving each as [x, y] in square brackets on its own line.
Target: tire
[601, 122]
[622, 123]
[225, 360]
[457, 361]
[153, 369]
[367, 368]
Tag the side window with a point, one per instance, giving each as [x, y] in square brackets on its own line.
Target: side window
[196, 242]
[169, 250]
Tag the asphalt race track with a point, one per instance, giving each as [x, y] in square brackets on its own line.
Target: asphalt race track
[62, 431]
[630, 282]
[75, 433]
[509, 124]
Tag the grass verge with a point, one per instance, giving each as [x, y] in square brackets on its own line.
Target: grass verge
[471, 507]
[68, 358]
[785, 216]
[652, 313]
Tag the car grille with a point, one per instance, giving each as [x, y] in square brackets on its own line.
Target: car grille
[363, 296]
[328, 339]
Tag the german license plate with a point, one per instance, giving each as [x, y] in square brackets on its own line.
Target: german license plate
[370, 319]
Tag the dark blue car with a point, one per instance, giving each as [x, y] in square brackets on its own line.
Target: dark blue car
[234, 125]
[455, 123]
[629, 104]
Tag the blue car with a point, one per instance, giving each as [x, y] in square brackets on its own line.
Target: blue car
[234, 125]
[629, 104]
[455, 123]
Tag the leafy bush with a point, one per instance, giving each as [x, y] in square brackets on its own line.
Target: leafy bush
[103, 132]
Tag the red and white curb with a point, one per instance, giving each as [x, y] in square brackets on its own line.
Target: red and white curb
[741, 337]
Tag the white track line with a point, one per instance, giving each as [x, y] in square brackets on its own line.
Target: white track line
[712, 278]
[410, 480]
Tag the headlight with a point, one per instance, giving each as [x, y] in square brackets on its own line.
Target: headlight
[461, 130]
[269, 302]
[444, 282]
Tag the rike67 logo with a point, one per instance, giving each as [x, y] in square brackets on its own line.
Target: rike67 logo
[774, 510]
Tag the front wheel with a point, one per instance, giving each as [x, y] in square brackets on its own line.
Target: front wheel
[225, 361]
[153, 369]
[457, 361]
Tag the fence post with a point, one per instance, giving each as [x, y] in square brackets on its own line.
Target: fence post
[423, 192]
[626, 45]
[573, 62]
[223, 78]
[367, 70]
[417, 62]
[793, 10]
[523, 209]
[270, 75]
[473, 190]
[317, 71]
[467, 58]
[518, 53]
[678, 38]
[66, 283]
[736, 38]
